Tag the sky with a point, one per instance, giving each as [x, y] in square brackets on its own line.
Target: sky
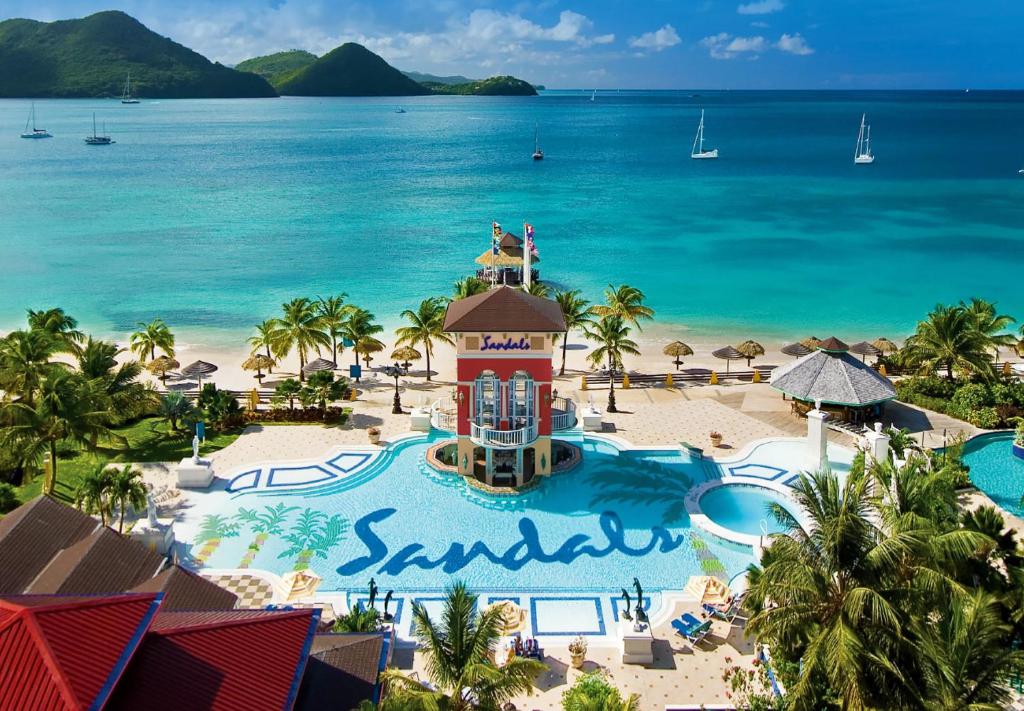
[639, 44]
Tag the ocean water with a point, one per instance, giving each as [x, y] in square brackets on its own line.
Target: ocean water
[210, 213]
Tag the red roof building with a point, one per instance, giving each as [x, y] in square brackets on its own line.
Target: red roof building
[60, 653]
[227, 659]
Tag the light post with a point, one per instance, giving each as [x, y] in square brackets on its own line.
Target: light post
[395, 371]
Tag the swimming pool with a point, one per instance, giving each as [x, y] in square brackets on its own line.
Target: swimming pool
[743, 508]
[995, 470]
[617, 515]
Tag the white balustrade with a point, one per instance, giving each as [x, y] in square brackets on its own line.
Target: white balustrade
[491, 437]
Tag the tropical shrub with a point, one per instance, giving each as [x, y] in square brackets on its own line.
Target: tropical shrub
[333, 415]
[358, 619]
[593, 692]
[220, 407]
[8, 498]
[983, 405]
[749, 688]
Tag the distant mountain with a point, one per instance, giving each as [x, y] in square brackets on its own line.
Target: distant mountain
[350, 70]
[495, 86]
[435, 79]
[91, 56]
[275, 68]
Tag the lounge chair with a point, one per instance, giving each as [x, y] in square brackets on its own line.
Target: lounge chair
[692, 629]
[532, 650]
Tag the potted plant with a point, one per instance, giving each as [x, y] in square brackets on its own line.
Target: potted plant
[716, 439]
[578, 651]
[374, 434]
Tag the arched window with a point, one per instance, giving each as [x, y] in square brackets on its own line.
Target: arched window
[488, 399]
[520, 400]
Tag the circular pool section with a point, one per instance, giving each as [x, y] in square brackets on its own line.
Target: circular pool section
[743, 507]
[996, 470]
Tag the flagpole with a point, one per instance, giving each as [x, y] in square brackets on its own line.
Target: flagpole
[527, 272]
[493, 280]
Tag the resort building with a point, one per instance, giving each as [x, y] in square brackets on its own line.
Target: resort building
[504, 410]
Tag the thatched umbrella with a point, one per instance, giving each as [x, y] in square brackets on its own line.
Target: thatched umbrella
[811, 342]
[677, 349]
[405, 355]
[885, 346]
[750, 350]
[315, 366]
[161, 366]
[727, 354]
[864, 349]
[1020, 348]
[257, 362]
[367, 346]
[199, 369]
[796, 350]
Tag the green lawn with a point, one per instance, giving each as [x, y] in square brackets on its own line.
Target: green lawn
[149, 440]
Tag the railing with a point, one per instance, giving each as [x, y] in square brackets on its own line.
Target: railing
[563, 413]
[444, 415]
[490, 437]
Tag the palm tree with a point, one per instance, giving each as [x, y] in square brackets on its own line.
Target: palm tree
[264, 338]
[58, 324]
[359, 326]
[127, 489]
[358, 619]
[300, 329]
[612, 336]
[150, 337]
[470, 286]
[93, 494]
[263, 524]
[25, 362]
[949, 338]
[538, 288]
[994, 326]
[426, 326]
[68, 408]
[323, 388]
[458, 654]
[314, 534]
[212, 530]
[97, 360]
[333, 313]
[627, 303]
[577, 315]
[174, 408]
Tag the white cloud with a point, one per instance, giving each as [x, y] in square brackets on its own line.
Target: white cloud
[726, 46]
[759, 24]
[761, 7]
[794, 44]
[658, 40]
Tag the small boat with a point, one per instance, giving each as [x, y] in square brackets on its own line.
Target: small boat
[594, 95]
[697, 152]
[1020, 172]
[34, 132]
[862, 154]
[96, 139]
[538, 154]
[126, 95]
[399, 110]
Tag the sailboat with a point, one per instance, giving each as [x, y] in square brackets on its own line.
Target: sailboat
[594, 95]
[35, 132]
[126, 95]
[399, 110]
[95, 139]
[862, 154]
[698, 152]
[538, 154]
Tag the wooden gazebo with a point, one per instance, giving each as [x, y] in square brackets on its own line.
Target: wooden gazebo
[507, 263]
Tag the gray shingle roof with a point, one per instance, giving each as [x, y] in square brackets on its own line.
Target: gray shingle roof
[835, 378]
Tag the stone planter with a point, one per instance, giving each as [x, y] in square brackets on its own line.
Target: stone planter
[716, 440]
[578, 659]
[374, 436]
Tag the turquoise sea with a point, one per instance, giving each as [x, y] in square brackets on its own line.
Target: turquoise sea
[210, 213]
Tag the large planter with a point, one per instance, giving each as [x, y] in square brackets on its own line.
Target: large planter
[578, 659]
[374, 437]
[716, 441]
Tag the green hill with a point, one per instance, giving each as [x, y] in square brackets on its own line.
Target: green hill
[275, 68]
[350, 70]
[435, 79]
[495, 86]
[91, 56]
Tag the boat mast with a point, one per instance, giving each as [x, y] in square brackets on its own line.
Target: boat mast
[699, 138]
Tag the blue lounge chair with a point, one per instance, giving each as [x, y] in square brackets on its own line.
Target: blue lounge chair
[692, 629]
[735, 607]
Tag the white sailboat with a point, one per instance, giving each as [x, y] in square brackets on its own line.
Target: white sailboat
[97, 139]
[593, 95]
[34, 132]
[698, 152]
[538, 154]
[126, 95]
[862, 154]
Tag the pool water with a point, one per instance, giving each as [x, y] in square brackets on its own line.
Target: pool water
[995, 470]
[742, 508]
[615, 516]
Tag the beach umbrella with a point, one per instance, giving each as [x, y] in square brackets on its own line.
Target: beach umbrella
[811, 342]
[257, 362]
[199, 369]
[315, 366]
[366, 346]
[513, 617]
[885, 346]
[677, 349]
[297, 584]
[716, 593]
[864, 349]
[727, 354]
[750, 350]
[161, 366]
[405, 355]
[796, 350]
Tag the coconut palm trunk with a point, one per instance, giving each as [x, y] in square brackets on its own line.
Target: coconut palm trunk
[253, 550]
[208, 549]
[611, 386]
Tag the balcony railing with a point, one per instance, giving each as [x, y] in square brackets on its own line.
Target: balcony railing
[444, 415]
[563, 414]
[491, 437]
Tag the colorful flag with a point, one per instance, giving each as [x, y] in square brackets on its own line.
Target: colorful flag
[495, 245]
[496, 229]
[529, 240]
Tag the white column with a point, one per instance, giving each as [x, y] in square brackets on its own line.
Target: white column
[878, 444]
[817, 439]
